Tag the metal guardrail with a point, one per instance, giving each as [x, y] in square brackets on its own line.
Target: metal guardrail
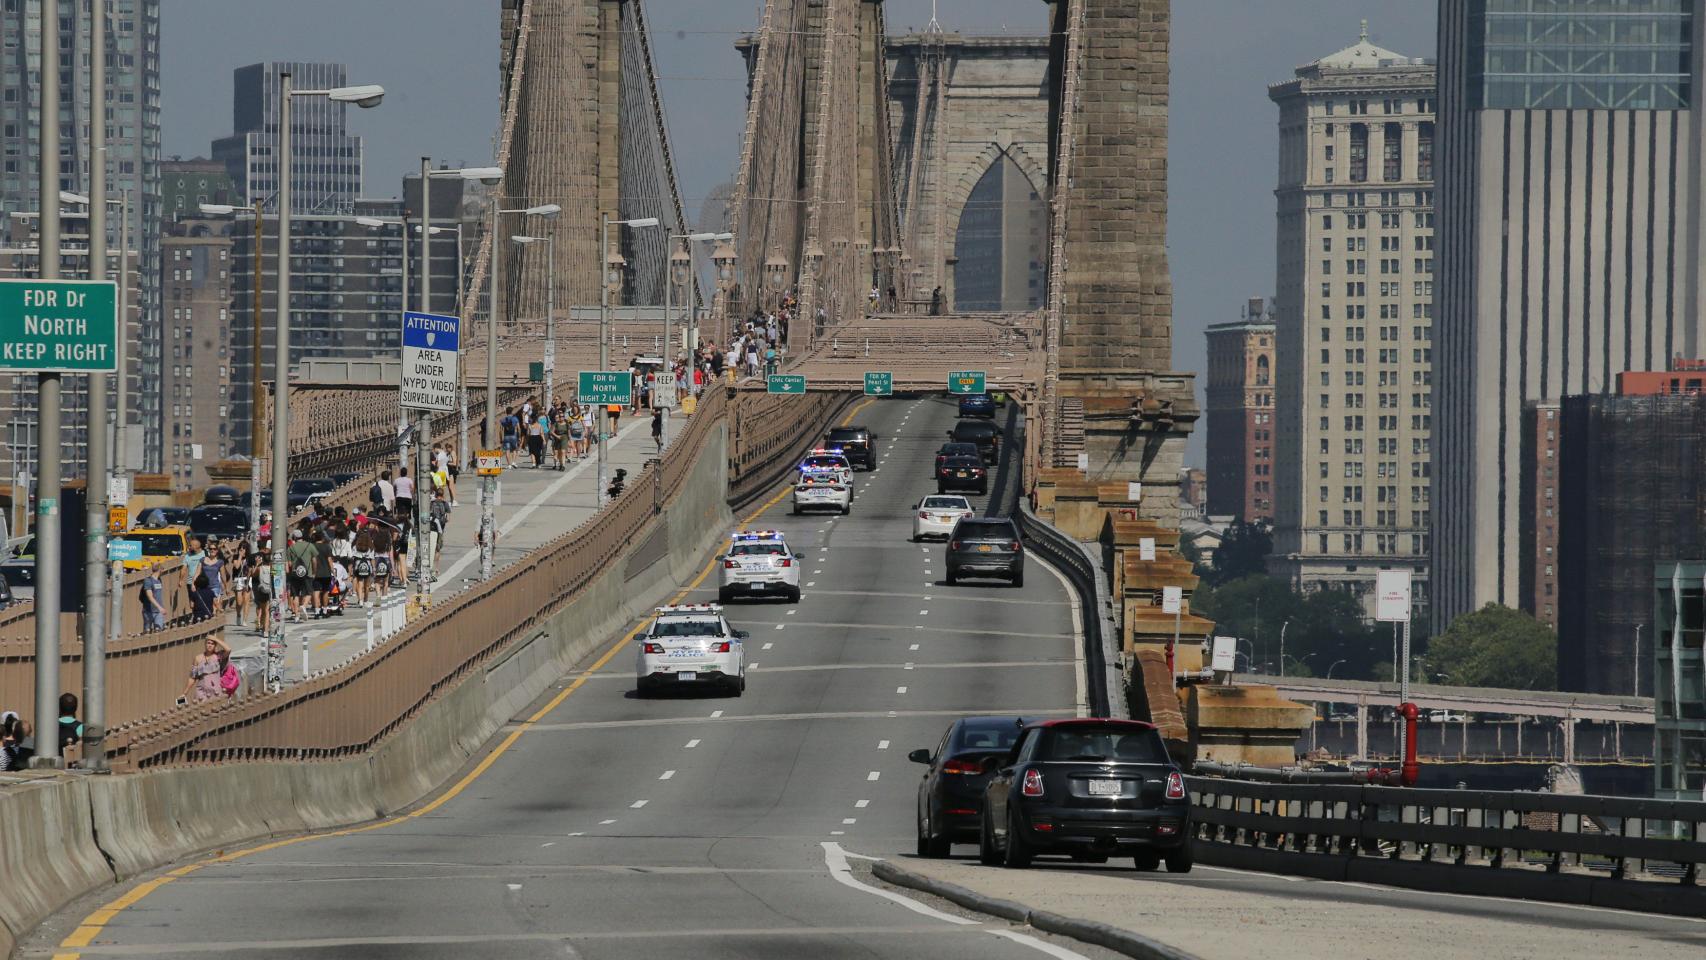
[1083, 569]
[1634, 853]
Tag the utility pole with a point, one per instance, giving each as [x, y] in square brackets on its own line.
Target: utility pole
[257, 391]
[423, 432]
[95, 500]
[489, 485]
[118, 456]
[47, 416]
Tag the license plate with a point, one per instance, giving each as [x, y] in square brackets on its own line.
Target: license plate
[758, 586]
[1104, 788]
[686, 675]
[986, 548]
[962, 473]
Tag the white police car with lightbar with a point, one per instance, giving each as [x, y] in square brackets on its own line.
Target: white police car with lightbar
[691, 646]
[827, 461]
[759, 563]
[822, 491]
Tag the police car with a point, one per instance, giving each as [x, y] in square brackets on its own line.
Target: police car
[691, 646]
[821, 491]
[827, 462]
[759, 564]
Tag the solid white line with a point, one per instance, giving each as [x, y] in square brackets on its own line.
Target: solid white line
[691, 744]
[1060, 953]
[874, 774]
[605, 823]
[667, 774]
[1080, 675]
[637, 804]
[836, 860]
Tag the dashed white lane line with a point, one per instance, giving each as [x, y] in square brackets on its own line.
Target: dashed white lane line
[637, 804]
[768, 646]
[838, 833]
[753, 665]
[605, 823]
[691, 744]
[578, 833]
[667, 774]
[924, 613]
[913, 647]
[816, 572]
[862, 804]
[899, 689]
[550, 844]
[812, 583]
[849, 821]
[792, 612]
[874, 775]
[882, 744]
[715, 714]
[779, 626]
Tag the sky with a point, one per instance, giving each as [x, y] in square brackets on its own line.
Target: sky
[438, 62]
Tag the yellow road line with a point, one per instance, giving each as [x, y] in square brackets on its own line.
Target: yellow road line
[847, 421]
[93, 924]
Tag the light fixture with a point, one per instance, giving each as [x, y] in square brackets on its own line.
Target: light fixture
[364, 95]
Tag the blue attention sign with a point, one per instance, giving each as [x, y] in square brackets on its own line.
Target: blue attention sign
[429, 378]
[431, 331]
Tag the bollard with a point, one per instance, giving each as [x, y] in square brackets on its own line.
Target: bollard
[369, 629]
[304, 634]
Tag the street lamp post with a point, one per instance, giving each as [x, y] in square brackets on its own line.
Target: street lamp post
[550, 356]
[1287, 623]
[95, 564]
[1332, 665]
[723, 258]
[47, 417]
[362, 96]
[681, 274]
[612, 279]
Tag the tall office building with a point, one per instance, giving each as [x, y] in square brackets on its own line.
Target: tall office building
[326, 160]
[1354, 320]
[1240, 393]
[195, 273]
[132, 100]
[1570, 237]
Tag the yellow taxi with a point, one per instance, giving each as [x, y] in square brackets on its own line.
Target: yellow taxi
[158, 543]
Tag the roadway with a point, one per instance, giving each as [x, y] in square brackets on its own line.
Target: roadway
[702, 826]
[616, 827]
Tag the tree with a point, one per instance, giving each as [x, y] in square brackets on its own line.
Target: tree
[1496, 647]
[1243, 552]
[1324, 626]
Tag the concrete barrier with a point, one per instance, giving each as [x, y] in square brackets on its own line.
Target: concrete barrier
[66, 836]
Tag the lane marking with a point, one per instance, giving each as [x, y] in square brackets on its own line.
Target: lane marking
[882, 744]
[1080, 669]
[836, 860]
[714, 715]
[862, 804]
[899, 689]
[605, 823]
[637, 804]
[849, 821]
[913, 647]
[768, 646]
[874, 775]
[691, 744]
[667, 774]
[794, 717]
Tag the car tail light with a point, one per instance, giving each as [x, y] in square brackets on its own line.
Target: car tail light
[1175, 786]
[1166, 828]
[722, 647]
[653, 648]
[1043, 826]
[960, 812]
[729, 565]
[1033, 785]
[923, 516]
[785, 562]
[965, 767]
[1014, 546]
[954, 546]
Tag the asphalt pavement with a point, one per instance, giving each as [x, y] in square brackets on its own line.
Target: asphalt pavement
[687, 825]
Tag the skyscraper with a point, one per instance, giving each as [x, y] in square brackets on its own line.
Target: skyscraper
[1354, 320]
[1240, 393]
[327, 160]
[132, 98]
[1570, 234]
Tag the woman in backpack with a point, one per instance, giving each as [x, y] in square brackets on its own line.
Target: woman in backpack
[361, 565]
[206, 672]
[560, 439]
[577, 431]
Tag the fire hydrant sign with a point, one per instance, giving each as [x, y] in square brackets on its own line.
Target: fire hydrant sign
[430, 343]
[59, 326]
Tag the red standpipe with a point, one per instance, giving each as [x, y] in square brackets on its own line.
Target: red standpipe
[1411, 768]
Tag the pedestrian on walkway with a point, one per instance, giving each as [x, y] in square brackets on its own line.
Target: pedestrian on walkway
[657, 428]
[240, 582]
[536, 440]
[382, 532]
[510, 428]
[260, 578]
[299, 559]
[322, 570]
[153, 611]
[361, 564]
[382, 493]
[577, 431]
[206, 672]
[561, 431]
[405, 493]
[614, 411]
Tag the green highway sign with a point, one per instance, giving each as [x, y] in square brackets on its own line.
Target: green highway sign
[879, 384]
[966, 381]
[785, 383]
[606, 386]
[58, 326]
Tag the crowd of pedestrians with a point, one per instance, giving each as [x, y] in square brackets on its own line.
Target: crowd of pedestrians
[18, 739]
[561, 435]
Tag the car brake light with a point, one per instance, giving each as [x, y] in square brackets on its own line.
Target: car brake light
[1175, 786]
[653, 648]
[967, 767]
[923, 516]
[785, 562]
[1014, 546]
[1033, 785]
[722, 647]
[954, 546]
[729, 565]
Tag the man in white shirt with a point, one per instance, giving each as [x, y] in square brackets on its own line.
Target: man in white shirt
[405, 486]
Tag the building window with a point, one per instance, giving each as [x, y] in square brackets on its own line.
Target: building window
[1359, 153]
[1425, 154]
[1391, 159]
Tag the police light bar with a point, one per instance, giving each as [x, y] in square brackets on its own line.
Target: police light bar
[748, 535]
[691, 608]
[825, 452]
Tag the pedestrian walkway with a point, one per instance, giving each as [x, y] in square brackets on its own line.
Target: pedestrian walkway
[535, 506]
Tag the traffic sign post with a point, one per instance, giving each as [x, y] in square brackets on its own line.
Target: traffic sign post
[789, 383]
[430, 345]
[879, 384]
[121, 550]
[488, 463]
[967, 381]
[605, 386]
[1392, 605]
[59, 326]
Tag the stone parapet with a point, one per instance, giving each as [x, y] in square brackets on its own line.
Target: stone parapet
[1245, 724]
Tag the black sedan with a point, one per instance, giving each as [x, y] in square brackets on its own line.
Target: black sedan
[212, 522]
[953, 449]
[305, 490]
[950, 795]
[961, 473]
[984, 433]
[977, 405]
[986, 547]
[1087, 787]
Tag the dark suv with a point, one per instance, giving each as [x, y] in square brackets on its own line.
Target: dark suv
[977, 405]
[1090, 788]
[856, 444]
[984, 433]
[986, 547]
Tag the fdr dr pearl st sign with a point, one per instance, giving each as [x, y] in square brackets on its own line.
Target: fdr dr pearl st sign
[430, 344]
